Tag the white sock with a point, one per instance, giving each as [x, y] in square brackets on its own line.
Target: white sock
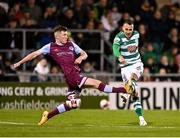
[141, 118]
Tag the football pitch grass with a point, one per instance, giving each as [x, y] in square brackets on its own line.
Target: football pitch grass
[89, 123]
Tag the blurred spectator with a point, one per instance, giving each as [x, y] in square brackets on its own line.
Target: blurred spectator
[173, 40]
[42, 70]
[172, 53]
[106, 35]
[125, 16]
[164, 63]
[66, 18]
[80, 13]
[172, 58]
[169, 12]
[116, 15]
[90, 40]
[151, 65]
[34, 11]
[3, 17]
[31, 37]
[162, 75]
[55, 71]
[146, 11]
[108, 22]
[101, 8]
[16, 11]
[92, 17]
[4, 5]
[171, 20]
[149, 52]
[144, 36]
[11, 40]
[49, 17]
[146, 75]
[132, 7]
[158, 28]
[88, 67]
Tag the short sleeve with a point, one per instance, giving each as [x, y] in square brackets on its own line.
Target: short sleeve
[77, 49]
[46, 49]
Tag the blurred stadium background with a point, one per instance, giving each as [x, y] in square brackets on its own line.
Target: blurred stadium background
[26, 25]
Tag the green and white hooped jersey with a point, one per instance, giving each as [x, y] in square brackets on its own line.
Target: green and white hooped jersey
[120, 47]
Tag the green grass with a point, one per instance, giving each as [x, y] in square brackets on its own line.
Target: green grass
[84, 123]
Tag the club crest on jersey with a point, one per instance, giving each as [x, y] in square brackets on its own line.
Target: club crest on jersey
[71, 48]
[56, 50]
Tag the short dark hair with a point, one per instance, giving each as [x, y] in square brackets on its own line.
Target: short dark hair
[129, 21]
[60, 28]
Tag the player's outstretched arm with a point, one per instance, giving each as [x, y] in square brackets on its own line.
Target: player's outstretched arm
[83, 56]
[27, 58]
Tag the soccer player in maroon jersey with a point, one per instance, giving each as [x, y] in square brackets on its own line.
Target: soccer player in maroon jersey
[64, 52]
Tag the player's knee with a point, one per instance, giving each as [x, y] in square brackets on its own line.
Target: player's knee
[134, 76]
[73, 103]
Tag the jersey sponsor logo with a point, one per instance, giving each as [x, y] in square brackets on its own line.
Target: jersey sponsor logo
[64, 53]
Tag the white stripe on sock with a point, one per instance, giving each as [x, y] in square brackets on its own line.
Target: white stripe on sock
[61, 108]
[138, 106]
[82, 81]
[108, 88]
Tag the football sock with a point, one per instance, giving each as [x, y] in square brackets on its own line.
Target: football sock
[137, 106]
[60, 109]
[109, 89]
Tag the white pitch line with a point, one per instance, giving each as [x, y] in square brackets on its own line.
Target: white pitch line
[14, 123]
[89, 125]
[127, 126]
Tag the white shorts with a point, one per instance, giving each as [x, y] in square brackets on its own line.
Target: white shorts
[136, 68]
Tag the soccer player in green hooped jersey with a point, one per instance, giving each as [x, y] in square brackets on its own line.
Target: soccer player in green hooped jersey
[125, 48]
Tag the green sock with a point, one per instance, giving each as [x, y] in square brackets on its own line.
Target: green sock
[137, 106]
[139, 112]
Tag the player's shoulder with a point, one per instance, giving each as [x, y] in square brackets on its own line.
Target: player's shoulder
[135, 32]
[120, 34]
[135, 35]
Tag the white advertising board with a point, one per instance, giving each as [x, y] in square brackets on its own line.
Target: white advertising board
[153, 95]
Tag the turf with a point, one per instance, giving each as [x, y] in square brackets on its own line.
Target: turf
[86, 123]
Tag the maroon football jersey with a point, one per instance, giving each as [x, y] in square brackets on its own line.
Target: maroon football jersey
[64, 56]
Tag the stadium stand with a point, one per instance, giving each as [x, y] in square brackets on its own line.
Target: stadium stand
[26, 25]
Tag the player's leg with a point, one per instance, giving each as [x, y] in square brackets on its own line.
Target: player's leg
[130, 76]
[138, 110]
[74, 82]
[103, 87]
[137, 104]
[125, 73]
[73, 101]
[135, 97]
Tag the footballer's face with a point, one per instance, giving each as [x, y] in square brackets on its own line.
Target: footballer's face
[128, 29]
[61, 36]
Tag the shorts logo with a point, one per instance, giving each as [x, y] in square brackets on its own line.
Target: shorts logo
[138, 68]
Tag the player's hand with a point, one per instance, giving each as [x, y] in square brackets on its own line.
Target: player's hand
[14, 66]
[132, 48]
[122, 60]
[78, 60]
